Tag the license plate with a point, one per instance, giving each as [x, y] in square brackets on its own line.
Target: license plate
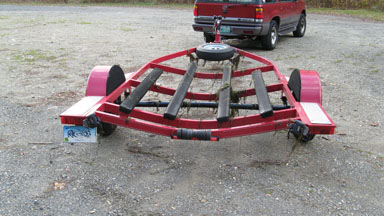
[225, 29]
[73, 134]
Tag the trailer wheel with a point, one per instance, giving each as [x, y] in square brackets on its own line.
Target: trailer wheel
[305, 87]
[215, 52]
[304, 139]
[102, 81]
[301, 27]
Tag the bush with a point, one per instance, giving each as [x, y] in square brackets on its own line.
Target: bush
[347, 4]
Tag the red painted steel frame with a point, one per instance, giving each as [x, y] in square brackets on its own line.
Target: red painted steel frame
[151, 122]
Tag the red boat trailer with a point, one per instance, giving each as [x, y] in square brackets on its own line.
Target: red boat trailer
[101, 107]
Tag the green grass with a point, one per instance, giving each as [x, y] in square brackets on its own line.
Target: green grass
[338, 61]
[34, 55]
[84, 23]
[360, 13]
[126, 29]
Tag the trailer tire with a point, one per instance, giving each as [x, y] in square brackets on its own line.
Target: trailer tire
[215, 52]
[304, 139]
[106, 129]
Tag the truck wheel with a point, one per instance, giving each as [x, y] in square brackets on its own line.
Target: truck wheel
[208, 38]
[269, 41]
[215, 52]
[301, 27]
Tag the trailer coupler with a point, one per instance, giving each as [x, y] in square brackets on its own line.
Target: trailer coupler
[188, 134]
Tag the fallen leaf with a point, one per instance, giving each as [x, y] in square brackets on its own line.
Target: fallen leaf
[59, 185]
[374, 124]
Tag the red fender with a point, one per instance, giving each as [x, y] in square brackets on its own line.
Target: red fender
[97, 81]
[311, 90]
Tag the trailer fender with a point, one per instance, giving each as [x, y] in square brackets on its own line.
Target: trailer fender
[306, 86]
[104, 79]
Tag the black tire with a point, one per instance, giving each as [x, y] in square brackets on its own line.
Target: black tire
[301, 26]
[215, 52]
[304, 139]
[294, 85]
[208, 38]
[269, 41]
[107, 129]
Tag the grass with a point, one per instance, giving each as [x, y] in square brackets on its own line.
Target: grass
[360, 13]
[338, 61]
[34, 55]
[126, 29]
[84, 23]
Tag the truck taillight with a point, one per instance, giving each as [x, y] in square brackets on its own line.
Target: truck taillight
[195, 10]
[259, 13]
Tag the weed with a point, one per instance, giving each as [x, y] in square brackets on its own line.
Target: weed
[338, 61]
[84, 23]
[57, 22]
[278, 58]
[34, 55]
[126, 29]
[293, 57]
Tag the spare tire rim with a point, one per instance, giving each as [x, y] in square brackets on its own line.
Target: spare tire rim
[215, 46]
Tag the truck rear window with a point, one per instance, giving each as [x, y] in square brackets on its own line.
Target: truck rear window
[233, 1]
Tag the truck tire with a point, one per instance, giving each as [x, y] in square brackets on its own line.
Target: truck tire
[215, 52]
[269, 41]
[301, 27]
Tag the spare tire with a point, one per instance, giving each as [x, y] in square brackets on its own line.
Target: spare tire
[215, 52]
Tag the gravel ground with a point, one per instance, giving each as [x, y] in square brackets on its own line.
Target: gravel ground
[46, 55]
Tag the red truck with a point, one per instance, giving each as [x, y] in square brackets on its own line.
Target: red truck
[263, 19]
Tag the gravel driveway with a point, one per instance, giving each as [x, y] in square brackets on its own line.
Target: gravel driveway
[46, 55]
